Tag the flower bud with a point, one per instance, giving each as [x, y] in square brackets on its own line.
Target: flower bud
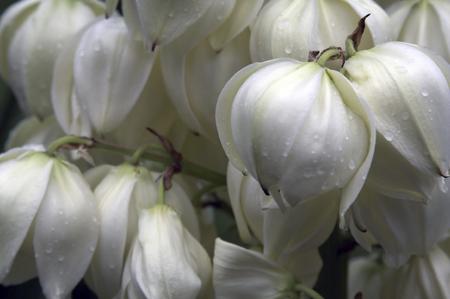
[121, 195]
[422, 22]
[46, 201]
[110, 70]
[161, 21]
[165, 260]
[214, 58]
[410, 108]
[32, 35]
[289, 28]
[243, 273]
[298, 128]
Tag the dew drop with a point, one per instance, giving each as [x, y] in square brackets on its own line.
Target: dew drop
[171, 15]
[443, 186]
[91, 248]
[389, 137]
[351, 165]
[60, 212]
[60, 259]
[425, 93]
[48, 251]
[288, 50]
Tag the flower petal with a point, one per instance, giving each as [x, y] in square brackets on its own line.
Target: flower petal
[66, 231]
[23, 183]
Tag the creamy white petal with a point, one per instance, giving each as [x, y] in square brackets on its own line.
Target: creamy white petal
[24, 265]
[11, 20]
[423, 277]
[164, 269]
[223, 112]
[110, 71]
[289, 28]
[66, 107]
[23, 182]
[66, 231]
[242, 273]
[95, 175]
[409, 109]
[424, 23]
[162, 21]
[248, 227]
[34, 49]
[186, 76]
[33, 131]
[403, 227]
[113, 196]
[244, 12]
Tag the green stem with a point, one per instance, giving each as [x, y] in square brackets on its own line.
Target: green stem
[327, 54]
[308, 291]
[161, 192]
[140, 151]
[151, 154]
[58, 143]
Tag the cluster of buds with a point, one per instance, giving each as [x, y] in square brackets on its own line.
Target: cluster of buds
[276, 119]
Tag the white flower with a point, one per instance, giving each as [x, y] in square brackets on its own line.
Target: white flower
[46, 208]
[408, 91]
[32, 34]
[121, 193]
[110, 70]
[292, 28]
[211, 50]
[426, 276]
[161, 21]
[401, 225]
[165, 260]
[243, 273]
[423, 22]
[303, 227]
[298, 128]
[365, 276]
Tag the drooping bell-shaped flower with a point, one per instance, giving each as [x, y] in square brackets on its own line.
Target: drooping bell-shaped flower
[121, 193]
[401, 225]
[298, 128]
[244, 273]
[366, 277]
[407, 88]
[32, 33]
[161, 21]
[165, 261]
[426, 276]
[47, 210]
[211, 50]
[33, 131]
[293, 28]
[303, 227]
[110, 71]
[422, 22]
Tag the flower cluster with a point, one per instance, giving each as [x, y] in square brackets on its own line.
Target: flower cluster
[209, 148]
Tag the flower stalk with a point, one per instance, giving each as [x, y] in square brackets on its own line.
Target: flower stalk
[150, 154]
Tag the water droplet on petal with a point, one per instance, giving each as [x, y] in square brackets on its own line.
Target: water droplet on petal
[389, 137]
[443, 186]
[60, 259]
[351, 165]
[424, 93]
